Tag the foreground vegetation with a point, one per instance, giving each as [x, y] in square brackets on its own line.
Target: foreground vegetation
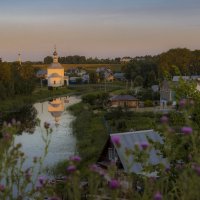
[176, 180]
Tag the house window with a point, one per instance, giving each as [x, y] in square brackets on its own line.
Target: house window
[54, 82]
[111, 154]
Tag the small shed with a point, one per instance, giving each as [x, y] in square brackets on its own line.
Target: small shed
[128, 140]
[124, 101]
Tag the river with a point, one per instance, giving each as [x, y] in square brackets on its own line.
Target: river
[62, 141]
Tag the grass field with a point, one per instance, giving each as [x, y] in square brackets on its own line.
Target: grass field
[89, 67]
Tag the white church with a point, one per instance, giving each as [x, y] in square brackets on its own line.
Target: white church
[55, 73]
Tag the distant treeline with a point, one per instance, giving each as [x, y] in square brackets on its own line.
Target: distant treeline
[148, 70]
[76, 59]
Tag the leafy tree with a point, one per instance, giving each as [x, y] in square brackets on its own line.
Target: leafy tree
[151, 78]
[48, 60]
[138, 81]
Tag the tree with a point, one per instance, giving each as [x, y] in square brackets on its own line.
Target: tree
[151, 78]
[48, 60]
[93, 77]
[138, 81]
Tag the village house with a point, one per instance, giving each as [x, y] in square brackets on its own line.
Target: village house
[109, 77]
[78, 71]
[128, 141]
[119, 76]
[124, 101]
[42, 73]
[166, 93]
[105, 74]
[125, 59]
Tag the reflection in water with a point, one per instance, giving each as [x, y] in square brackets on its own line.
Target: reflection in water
[62, 144]
[27, 115]
[56, 108]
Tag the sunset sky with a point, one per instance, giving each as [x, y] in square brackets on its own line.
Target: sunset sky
[102, 28]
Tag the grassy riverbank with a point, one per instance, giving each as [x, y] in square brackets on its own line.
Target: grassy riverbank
[89, 130]
[41, 94]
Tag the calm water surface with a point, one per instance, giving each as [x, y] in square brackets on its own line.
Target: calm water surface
[62, 142]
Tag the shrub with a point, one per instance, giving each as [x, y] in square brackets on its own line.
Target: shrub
[148, 103]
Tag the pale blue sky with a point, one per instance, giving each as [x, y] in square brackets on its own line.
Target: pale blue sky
[102, 28]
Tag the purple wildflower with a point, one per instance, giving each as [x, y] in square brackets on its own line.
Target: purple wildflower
[42, 180]
[75, 158]
[71, 168]
[158, 196]
[102, 173]
[182, 102]
[116, 140]
[186, 130]
[2, 188]
[94, 168]
[179, 166]
[114, 184]
[167, 169]
[164, 119]
[144, 145]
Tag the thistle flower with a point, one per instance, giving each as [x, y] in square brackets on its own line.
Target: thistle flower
[42, 180]
[114, 184]
[2, 188]
[116, 140]
[75, 158]
[158, 196]
[94, 168]
[182, 102]
[144, 145]
[71, 168]
[186, 130]
[164, 119]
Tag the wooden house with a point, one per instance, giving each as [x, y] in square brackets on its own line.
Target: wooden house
[124, 101]
[128, 140]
